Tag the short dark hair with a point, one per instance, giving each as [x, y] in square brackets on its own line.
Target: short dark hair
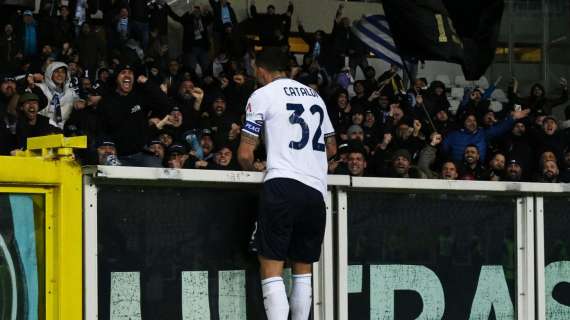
[272, 59]
[471, 145]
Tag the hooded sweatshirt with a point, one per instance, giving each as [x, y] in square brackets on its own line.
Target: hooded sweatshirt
[66, 96]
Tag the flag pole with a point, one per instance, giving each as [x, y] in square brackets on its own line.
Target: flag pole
[422, 105]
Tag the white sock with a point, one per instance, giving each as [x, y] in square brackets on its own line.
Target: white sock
[275, 298]
[301, 296]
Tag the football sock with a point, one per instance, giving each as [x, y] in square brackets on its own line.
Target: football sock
[275, 298]
[301, 296]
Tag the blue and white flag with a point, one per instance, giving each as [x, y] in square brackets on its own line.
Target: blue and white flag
[374, 31]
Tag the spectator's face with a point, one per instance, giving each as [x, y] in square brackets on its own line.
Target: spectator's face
[537, 91]
[471, 155]
[30, 109]
[438, 91]
[398, 114]
[166, 139]
[403, 131]
[8, 29]
[442, 116]
[449, 171]
[418, 84]
[370, 73]
[173, 67]
[384, 102]
[356, 164]
[470, 124]
[342, 101]
[104, 75]
[357, 118]
[489, 119]
[550, 169]
[401, 165]
[125, 80]
[124, 13]
[59, 75]
[105, 151]
[28, 19]
[196, 11]
[224, 157]
[369, 119]
[176, 118]
[219, 106]
[185, 90]
[519, 129]
[270, 10]
[73, 68]
[8, 88]
[359, 88]
[539, 120]
[85, 83]
[548, 156]
[476, 95]
[64, 11]
[157, 149]
[357, 135]
[498, 162]
[47, 50]
[318, 35]
[345, 22]
[85, 28]
[514, 172]
[549, 126]
[207, 144]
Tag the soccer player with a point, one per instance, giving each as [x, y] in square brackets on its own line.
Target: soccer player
[299, 138]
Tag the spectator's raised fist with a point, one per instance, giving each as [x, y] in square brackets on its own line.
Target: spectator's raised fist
[436, 139]
[142, 79]
[197, 93]
[419, 99]
[417, 125]
[520, 114]
[79, 104]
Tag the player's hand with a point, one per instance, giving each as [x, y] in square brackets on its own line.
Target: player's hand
[436, 139]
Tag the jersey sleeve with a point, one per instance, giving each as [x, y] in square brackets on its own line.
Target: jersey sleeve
[327, 127]
[255, 114]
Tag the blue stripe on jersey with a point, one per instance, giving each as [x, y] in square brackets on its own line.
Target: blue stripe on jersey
[252, 128]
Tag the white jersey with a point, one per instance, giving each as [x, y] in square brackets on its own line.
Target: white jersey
[295, 122]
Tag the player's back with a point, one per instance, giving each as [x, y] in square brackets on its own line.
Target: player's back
[295, 125]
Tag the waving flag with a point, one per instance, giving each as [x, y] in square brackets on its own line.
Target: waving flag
[374, 31]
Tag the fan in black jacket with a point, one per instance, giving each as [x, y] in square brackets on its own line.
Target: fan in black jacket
[125, 113]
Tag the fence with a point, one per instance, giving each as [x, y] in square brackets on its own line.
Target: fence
[394, 249]
[172, 244]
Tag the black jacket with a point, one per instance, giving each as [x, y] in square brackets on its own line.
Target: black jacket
[190, 23]
[24, 130]
[125, 118]
[218, 23]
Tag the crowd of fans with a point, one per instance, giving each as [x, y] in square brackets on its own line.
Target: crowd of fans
[113, 80]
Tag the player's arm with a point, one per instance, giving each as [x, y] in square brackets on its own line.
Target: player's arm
[330, 145]
[247, 145]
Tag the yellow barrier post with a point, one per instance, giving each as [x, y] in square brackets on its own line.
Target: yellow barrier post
[49, 168]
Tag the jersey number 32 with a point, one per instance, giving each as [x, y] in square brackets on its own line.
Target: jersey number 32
[296, 118]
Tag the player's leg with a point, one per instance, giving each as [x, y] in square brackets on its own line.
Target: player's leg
[274, 227]
[302, 291]
[305, 248]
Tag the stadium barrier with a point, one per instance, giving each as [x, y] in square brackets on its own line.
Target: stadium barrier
[172, 244]
[41, 263]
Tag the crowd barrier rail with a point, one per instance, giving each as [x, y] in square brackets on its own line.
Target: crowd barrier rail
[154, 243]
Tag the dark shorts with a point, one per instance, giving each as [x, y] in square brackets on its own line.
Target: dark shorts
[291, 221]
